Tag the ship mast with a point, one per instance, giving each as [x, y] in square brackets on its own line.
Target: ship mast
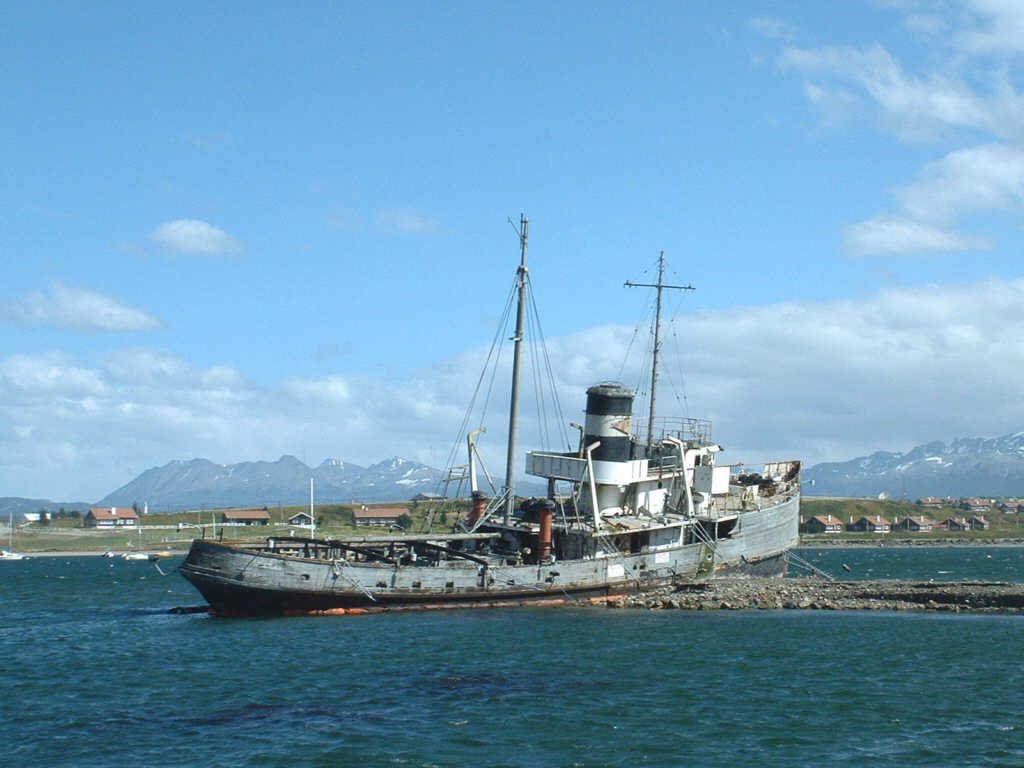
[660, 285]
[517, 340]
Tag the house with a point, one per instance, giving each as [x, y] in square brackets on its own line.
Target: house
[823, 524]
[871, 524]
[111, 517]
[976, 505]
[931, 502]
[300, 518]
[428, 497]
[245, 517]
[955, 524]
[378, 516]
[913, 524]
[978, 523]
[1010, 506]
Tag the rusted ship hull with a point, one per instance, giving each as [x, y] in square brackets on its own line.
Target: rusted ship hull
[238, 579]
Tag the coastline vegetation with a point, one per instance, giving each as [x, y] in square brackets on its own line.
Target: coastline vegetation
[1002, 527]
[174, 531]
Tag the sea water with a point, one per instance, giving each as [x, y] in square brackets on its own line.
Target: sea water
[919, 563]
[96, 672]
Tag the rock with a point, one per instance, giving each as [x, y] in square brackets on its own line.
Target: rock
[818, 594]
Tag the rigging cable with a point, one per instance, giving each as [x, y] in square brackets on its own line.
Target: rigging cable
[678, 390]
[543, 366]
[490, 363]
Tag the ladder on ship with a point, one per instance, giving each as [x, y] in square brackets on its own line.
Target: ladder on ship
[709, 549]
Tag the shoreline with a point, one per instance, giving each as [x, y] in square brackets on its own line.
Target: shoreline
[808, 593]
[812, 544]
[908, 543]
[754, 594]
[118, 554]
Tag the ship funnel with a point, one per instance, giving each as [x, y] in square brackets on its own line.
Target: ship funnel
[609, 409]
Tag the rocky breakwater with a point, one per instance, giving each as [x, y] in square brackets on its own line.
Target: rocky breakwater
[821, 594]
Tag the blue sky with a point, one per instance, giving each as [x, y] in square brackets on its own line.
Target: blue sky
[239, 230]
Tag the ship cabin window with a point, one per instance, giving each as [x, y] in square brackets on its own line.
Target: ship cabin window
[631, 542]
[724, 529]
[663, 537]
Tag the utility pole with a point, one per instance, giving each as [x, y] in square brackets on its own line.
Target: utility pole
[660, 285]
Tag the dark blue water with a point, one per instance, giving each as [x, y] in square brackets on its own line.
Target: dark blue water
[941, 563]
[96, 673]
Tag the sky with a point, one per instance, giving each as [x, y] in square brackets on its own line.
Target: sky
[236, 231]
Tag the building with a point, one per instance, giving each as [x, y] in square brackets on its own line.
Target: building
[300, 518]
[428, 497]
[913, 524]
[378, 516]
[871, 524]
[823, 524]
[111, 517]
[955, 524]
[978, 523]
[976, 505]
[1010, 506]
[932, 502]
[245, 517]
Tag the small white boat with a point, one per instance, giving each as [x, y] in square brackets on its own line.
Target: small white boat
[135, 556]
[9, 553]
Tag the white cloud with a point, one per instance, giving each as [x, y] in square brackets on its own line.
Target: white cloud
[345, 219]
[78, 309]
[816, 381]
[999, 28]
[989, 177]
[331, 389]
[970, 91]
[773, 28]
[406, 221]
[892, 235]
[389, 221]
[916, 107]
[191, 236]
[46, 375]
[983, 178]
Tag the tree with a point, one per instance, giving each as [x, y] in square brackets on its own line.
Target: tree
[404, 521]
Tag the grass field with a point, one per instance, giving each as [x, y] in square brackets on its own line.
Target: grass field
[1001, 526]
[174, 531]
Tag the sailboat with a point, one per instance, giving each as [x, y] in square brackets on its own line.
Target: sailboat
[9, 553]
[642, 509]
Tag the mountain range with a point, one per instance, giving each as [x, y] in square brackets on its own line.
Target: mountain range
[971, 466]
[202, 483]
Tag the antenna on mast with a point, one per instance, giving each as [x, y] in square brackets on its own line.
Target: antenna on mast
[660, 285]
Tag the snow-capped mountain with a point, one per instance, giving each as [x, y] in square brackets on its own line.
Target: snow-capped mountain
[201, 483]
[969, 466]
